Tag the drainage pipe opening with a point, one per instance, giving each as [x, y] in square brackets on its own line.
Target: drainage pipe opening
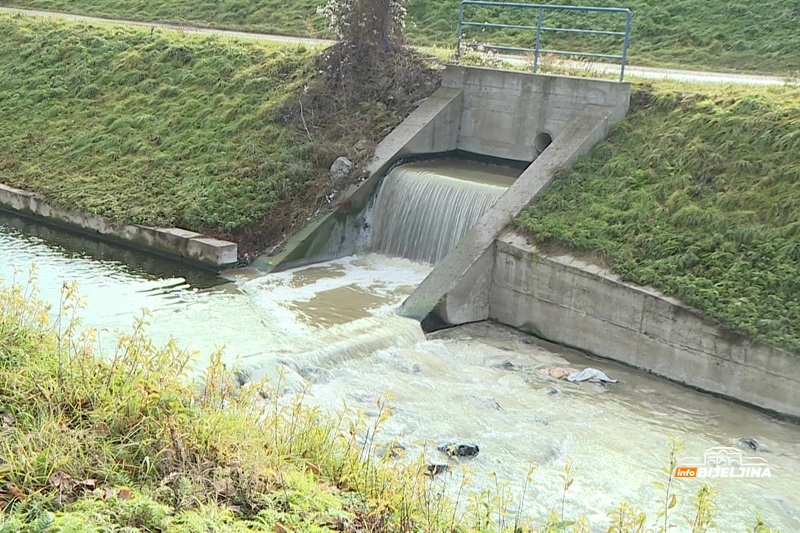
[542, 141]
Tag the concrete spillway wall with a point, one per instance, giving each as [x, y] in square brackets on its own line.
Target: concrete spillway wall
[506, 114]
[501, 114]
[565, 300]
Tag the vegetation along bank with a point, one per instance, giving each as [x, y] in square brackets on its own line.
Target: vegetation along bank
[137, 440]
[695, 193]
[745, 35]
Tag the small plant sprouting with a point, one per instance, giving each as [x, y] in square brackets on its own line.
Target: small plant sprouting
[528, 480]
[627, 519]
[568, 479]
[705, 509]
[670, 498]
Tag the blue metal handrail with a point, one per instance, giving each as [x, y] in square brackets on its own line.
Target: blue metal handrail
[537, 49]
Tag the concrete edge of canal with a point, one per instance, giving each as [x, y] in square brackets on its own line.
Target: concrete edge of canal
[173, 243]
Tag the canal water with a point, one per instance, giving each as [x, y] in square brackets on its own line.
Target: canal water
[481, 383]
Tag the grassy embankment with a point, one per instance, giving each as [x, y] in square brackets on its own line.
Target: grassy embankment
[696, 192]
[128, 442]
[746, 35]
[160, 128]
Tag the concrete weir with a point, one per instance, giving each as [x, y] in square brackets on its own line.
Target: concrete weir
[495, 113]
[504, 115]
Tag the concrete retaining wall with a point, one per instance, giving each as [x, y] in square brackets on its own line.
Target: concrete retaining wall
[504, 111]
[571, 302]
[175, 243]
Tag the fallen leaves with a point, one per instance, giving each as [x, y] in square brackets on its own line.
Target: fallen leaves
[63, 482]
[15, 492]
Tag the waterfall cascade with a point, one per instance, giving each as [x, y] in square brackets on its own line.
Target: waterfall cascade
[423, 210]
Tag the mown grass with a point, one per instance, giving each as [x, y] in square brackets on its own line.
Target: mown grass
[696, 192]
[136, 440]
[746, 35]
[159, 128]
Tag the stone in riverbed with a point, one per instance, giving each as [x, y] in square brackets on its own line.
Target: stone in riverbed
[488, 403]
[432, 470]
[459, 449]
[316, 375]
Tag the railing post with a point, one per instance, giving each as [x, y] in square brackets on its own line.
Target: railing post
[460, 30]
[625, 45]
[538, 40]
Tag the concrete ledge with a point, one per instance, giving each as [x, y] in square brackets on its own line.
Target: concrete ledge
[571, 302]
[457, 290]
[174, 243]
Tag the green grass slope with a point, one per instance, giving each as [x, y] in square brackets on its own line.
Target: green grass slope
[748, 35]
[698, 194]
[147, 128]
[158, 128]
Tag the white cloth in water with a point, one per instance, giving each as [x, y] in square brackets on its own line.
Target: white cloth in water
[591, 374]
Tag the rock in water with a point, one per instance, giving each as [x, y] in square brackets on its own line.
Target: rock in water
[504, 364]
[749, 443]
[456, 449]
[341, 168]
[433, 470]
[489, 403]
[316, 375]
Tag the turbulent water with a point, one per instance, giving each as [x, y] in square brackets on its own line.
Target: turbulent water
[481, 383]
[423, 209]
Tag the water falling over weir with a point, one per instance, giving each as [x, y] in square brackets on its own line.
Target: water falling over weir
[423, 209]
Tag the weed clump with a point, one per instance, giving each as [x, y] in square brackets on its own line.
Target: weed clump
[362, 88]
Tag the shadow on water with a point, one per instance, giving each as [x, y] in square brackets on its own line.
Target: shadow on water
[128, 260]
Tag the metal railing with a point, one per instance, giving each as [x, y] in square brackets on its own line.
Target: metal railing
[539, 28]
